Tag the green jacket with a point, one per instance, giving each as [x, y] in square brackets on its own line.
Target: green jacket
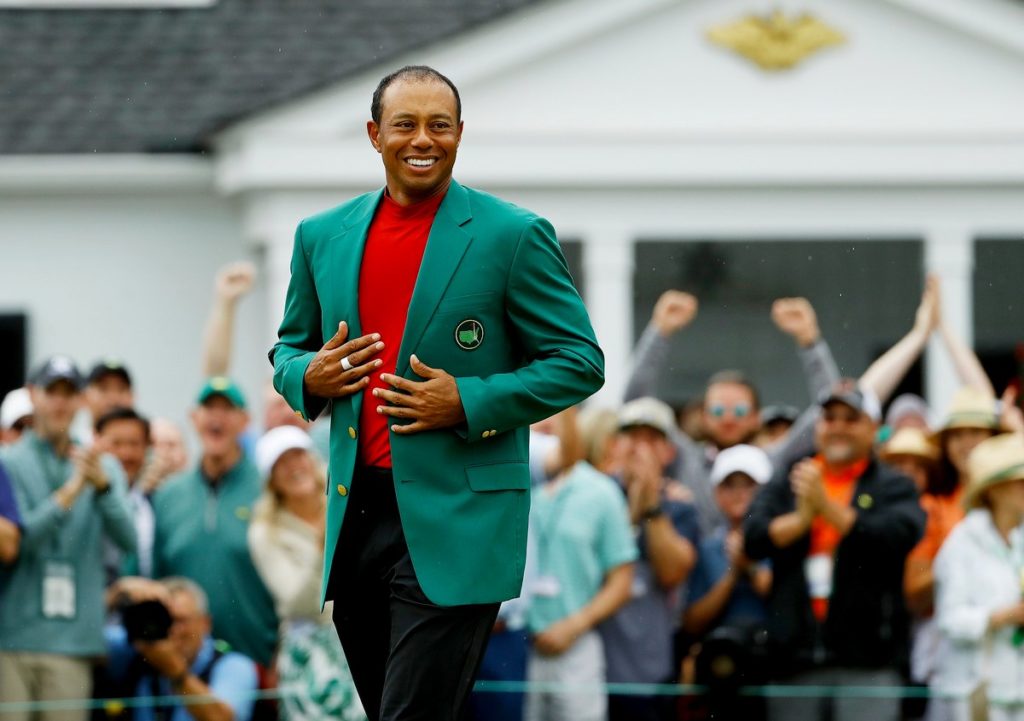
[463, 493]
[201, 534]
[71, 540]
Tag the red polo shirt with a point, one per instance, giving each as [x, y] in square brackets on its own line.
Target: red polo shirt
[391, 261]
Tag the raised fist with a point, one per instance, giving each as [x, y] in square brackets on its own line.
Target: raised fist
[235, 280]
[796, 317]
[674, 311]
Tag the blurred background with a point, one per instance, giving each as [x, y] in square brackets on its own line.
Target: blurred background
[740, 150]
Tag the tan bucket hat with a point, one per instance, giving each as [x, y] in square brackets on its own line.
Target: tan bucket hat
[993, 461]
[971, 408]
[910, 442]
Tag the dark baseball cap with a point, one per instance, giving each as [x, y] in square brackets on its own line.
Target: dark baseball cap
[780, 412]
[222, 386]
[847, 392]
[109, 367]
[56, 368]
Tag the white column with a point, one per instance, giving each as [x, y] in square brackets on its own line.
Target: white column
[608, 265]
[949, 254]
[270, 221]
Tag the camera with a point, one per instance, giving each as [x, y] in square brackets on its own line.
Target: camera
[145, 621]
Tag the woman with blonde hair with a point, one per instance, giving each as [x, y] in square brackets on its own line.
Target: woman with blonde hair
[979, 575]
[286, 541]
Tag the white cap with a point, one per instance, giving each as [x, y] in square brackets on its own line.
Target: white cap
[649, 412]
[742, 459]
[17, 404]
[276, 442]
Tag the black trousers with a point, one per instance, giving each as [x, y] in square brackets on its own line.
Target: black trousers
[410, 659]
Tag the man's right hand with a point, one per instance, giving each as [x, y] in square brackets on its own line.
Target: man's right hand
[674, 311]
[795, 317]
[235, 280]
[326, 378]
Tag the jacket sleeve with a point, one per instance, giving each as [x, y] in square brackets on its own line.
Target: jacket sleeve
[39, 522]
[114, 509]
[774, 500]
[288, 579]
[820, 369]
[897, 521]
[798, 442]
[957, 614]
[649, 359]
[821, 373]
[564, 363]
[300, 336]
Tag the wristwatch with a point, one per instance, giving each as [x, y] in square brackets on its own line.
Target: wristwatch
[652, 513]
[178, 681]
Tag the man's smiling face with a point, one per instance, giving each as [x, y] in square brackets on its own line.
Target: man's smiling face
[418, 138]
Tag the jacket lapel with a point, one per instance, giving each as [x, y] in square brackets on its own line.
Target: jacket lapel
[348, 248]
[350, 244]
[446, 245]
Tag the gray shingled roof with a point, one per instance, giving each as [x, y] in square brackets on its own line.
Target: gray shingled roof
[119, 81]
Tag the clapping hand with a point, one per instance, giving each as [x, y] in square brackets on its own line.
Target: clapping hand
[929, 313]
[808, 487]
[644, 480]
[87, 464]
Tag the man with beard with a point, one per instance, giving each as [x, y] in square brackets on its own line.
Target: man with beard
[731, 407]
[837, 528]
[202, 521]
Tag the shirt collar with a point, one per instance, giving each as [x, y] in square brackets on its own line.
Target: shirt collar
[204, 658]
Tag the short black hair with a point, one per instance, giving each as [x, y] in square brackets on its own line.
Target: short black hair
[411, 72]
[733, 377]
[122, 414]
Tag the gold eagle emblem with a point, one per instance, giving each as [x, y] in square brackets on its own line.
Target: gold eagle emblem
[776, 42]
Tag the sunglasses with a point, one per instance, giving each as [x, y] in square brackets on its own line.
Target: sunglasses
[718, 410]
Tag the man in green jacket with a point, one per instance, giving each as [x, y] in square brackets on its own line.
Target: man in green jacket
[71, 500]
[439, 322]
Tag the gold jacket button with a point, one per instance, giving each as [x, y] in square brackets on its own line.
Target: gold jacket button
[342, 491]
[351, 432]
[485, 434]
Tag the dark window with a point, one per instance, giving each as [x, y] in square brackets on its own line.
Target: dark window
[13, 327]
[999, 308]
[573, 252]
[865, 295]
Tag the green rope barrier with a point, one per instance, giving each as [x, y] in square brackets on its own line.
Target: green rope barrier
[624, 689]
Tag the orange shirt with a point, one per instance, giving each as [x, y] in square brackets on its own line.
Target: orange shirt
[824, 537]
[944, 512]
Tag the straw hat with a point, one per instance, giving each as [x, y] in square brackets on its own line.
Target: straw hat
[993, 461]
[910, 442]
[971, 408]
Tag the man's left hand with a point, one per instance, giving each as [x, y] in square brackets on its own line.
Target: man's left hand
[92, 468]
[559, 637]
[808, 484]
[431, 404]
[164, 657]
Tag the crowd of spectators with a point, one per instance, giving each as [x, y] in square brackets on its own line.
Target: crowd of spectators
[717, 545]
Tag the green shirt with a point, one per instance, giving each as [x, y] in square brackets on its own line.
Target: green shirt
[201, 529]
[60, 550]
[580, 531]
